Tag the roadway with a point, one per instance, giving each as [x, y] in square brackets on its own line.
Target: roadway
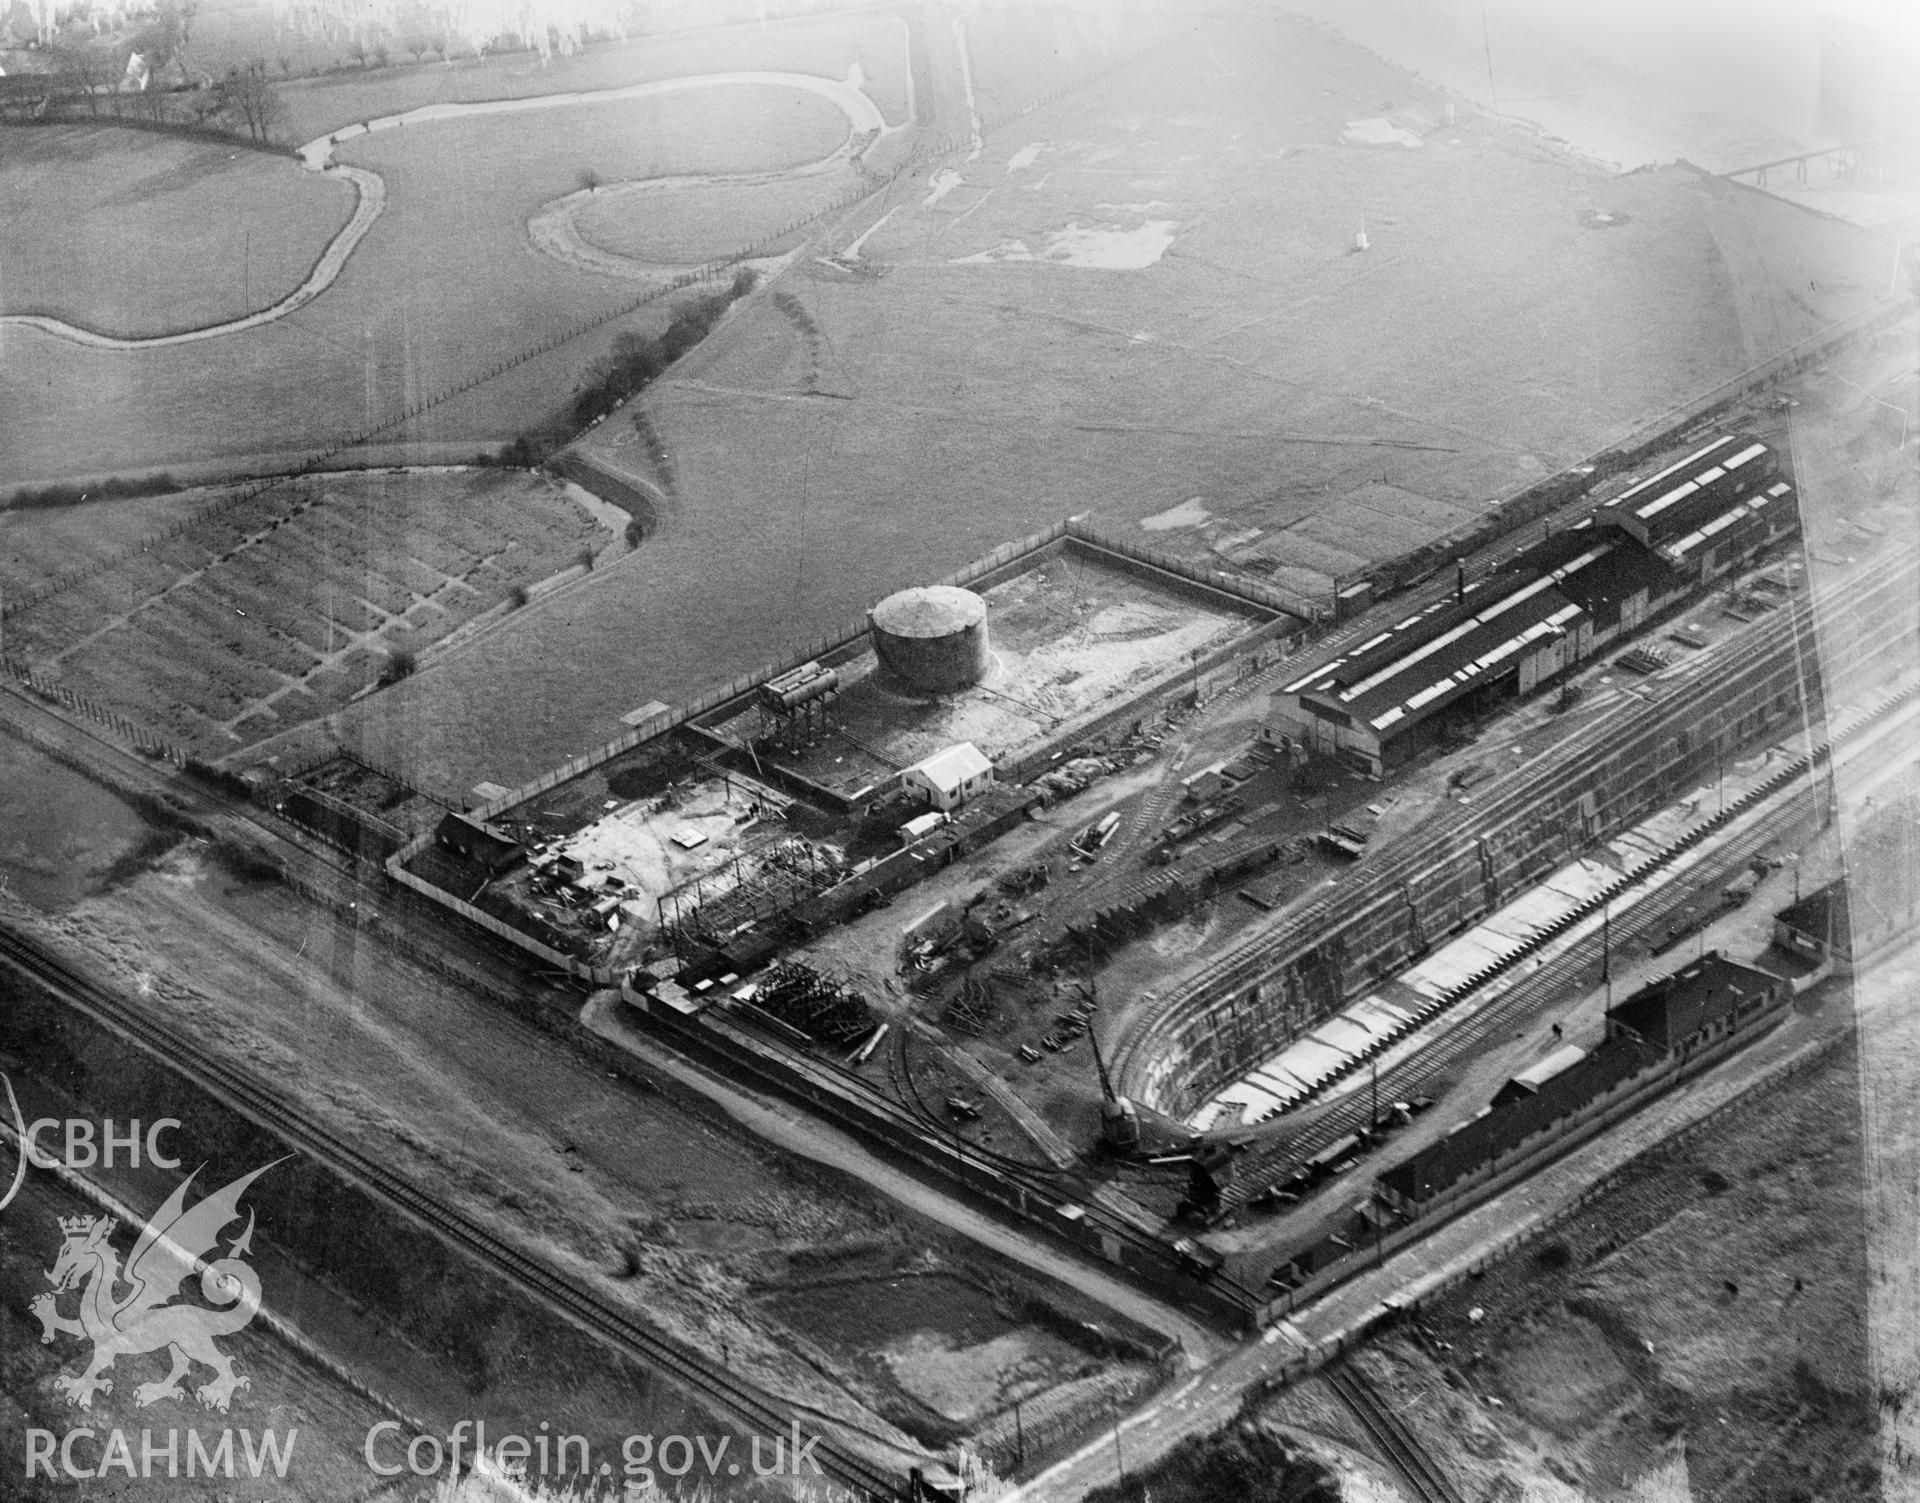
[1881, 752]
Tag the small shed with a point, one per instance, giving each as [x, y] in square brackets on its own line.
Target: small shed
[1819, 925]
[921, 826]
[949, 778]
[1529, 1081]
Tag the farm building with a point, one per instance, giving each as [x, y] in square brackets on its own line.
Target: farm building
[1550, 608]
[1697, 1003]
[949, 778]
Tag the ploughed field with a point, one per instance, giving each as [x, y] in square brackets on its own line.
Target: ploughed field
[271, 610]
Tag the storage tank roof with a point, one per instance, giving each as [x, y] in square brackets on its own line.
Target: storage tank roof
[929, 611]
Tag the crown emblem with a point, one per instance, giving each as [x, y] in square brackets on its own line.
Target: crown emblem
[74, 1226]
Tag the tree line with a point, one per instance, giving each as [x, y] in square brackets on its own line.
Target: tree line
[147, 75]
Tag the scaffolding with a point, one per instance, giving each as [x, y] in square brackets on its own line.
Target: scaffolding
[713, 907]
[824, 1010]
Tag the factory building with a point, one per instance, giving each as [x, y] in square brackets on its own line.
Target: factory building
[1497, 641]
[1710, 512]
[1553, 606]
[1529, 1083]
[1658, 1026]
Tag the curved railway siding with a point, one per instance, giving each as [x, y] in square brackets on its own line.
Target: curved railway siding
[1625, 733]
[1425, 1071]
[705, 1380]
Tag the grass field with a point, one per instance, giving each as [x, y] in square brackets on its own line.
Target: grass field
[134, 233]
[825, 46]
[737, 128]
[690, 225]
[1247, 361]
[445, 284]
[1259, 367]
[39, 542]
[284, 607]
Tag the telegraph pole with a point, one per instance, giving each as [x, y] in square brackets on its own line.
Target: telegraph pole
[1606, 950]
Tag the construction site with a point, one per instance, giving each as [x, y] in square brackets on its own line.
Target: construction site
[1257, 842]
[1238, 948]
[965, 869]
[822, 788]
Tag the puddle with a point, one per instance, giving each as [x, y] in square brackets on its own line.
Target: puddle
[1378, 132]
[1189, 513]
[58, 833]
[942, 183]
[1099, 249]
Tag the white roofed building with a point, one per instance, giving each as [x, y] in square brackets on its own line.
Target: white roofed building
[949, 778]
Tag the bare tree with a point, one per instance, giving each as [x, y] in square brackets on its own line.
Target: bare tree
[247, 94]
[82, 70]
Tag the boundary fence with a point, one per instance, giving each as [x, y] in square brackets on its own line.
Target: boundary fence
[1752, 1094]
[1529, 504]
[55, 692]
[693, 276]
[1002, 563]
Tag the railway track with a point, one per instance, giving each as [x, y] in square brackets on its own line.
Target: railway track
[1520, 1004]
[1756, 652]
[1397, 1444]
[691, 1371]
[1428, 1071]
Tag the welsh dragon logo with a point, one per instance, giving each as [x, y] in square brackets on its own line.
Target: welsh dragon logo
[174, 1244]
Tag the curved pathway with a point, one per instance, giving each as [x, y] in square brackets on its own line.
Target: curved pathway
[863, 116]
[370, 198]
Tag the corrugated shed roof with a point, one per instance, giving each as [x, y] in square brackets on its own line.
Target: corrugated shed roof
[1777, 495]
[1679, 470]
[1556, 1063]
[1691, 496]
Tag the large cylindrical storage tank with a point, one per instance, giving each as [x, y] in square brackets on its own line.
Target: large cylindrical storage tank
[933, 639]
